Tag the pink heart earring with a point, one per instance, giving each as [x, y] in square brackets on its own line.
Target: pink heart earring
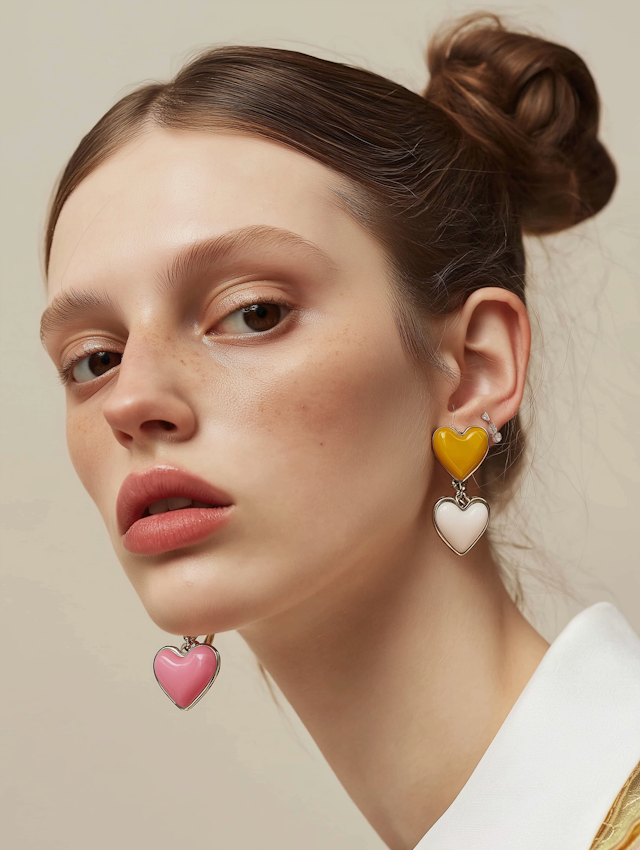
[186, 674]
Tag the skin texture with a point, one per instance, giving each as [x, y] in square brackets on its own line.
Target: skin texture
[401, 658]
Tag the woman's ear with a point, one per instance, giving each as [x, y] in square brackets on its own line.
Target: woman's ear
[487, 345]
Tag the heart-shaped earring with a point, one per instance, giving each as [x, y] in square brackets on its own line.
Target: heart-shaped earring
[186, 674]
[459, 520]
[461, 525]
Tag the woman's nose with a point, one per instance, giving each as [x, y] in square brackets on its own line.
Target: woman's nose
[148, 402]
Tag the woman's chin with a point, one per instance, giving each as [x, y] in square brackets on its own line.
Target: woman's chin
[205, 595]
[194, 610]
[187, 622]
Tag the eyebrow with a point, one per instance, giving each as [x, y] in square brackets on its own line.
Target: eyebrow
[68, 307]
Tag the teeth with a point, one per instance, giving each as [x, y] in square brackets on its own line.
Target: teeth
[174, 503]
[178, 502]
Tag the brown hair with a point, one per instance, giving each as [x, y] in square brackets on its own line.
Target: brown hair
[502, 143]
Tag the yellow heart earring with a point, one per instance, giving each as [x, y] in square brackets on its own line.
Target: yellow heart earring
[459, 520]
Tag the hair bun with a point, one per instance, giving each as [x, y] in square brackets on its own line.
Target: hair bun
[533, 107]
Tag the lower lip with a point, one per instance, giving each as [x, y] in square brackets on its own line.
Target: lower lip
[160, 533]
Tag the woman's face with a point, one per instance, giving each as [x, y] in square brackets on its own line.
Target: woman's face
[304, 410]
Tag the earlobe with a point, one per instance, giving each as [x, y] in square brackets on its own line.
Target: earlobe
[488, 346]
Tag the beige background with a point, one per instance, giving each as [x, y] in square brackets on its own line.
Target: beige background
[93, 754]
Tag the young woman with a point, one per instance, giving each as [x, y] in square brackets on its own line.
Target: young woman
[287, 300]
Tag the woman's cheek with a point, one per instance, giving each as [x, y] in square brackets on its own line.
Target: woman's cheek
[87, 444]
[332, 418]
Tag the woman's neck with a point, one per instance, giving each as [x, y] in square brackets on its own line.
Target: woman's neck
[403, 676]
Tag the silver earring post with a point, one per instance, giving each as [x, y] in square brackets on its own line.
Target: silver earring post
[495, 434]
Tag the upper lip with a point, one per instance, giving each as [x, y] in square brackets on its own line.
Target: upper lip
[140, 489]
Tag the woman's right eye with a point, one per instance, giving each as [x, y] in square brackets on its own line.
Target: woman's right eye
[87, 368]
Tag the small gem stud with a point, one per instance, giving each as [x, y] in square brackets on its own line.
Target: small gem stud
[495, 434]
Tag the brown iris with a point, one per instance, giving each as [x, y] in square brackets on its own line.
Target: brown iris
[102, 361]
[261, 317]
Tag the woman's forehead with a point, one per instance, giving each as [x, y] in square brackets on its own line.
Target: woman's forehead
[172, 187]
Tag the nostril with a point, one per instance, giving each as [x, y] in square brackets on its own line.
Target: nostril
[162, 424]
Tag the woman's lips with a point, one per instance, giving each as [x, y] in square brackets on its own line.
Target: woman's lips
[173, 529]
[153, 535]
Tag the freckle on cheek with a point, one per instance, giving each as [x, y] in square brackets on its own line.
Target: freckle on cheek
[85, 443]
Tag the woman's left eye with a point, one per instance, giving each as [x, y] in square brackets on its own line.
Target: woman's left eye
[258, 317]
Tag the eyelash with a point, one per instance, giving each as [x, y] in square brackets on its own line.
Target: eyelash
[64, 373]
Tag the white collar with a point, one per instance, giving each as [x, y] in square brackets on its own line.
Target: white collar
[566, 748]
